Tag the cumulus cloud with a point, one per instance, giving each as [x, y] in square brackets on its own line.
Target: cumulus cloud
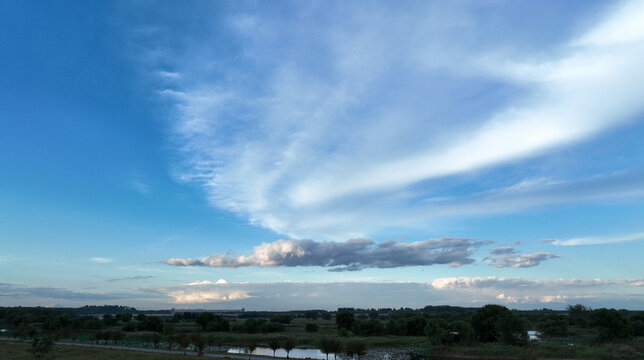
[354, 254]
[338, 143]
[300, 295]
[197, 297]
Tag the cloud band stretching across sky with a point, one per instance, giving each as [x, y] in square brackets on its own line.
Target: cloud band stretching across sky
[334, 148]
[354, 254]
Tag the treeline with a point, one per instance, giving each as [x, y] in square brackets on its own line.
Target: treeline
[492, 323]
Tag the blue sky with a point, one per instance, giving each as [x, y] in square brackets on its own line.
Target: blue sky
[282, 155]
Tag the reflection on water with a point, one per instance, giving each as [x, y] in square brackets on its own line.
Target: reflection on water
[295, 353]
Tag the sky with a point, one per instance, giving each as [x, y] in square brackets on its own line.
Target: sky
[320, 154]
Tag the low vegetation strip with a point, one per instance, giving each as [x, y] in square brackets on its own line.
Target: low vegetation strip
[492, 331]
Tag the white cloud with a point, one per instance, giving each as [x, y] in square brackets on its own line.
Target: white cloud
[195, 297]
[332, 145]
[598, 240]
[495, 282]
[208, 282]
[542, 292]
[101, 260]
[289, 295]
[169, 75]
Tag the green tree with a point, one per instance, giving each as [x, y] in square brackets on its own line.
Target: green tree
[116, 336]
[326, 346]
[344, 319]
[462, 331]
[63, 321]
[511, 330]
[552, 325]
[156, 339]
[484, 322]
[370, 327]
[171, 339]
[41, 347]
[638, 327]
[611, 325]
[438, 332]
[416, 325]
[578, 315]
[202, 319]
[251, 345]
[274, 343]
[124, 318]
[288, 344]
[335, 347]
[199, 342]
[355, 347]
[183, 339]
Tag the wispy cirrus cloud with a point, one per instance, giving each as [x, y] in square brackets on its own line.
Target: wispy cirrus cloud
[101, 260]
[354, 254]
[597, 240]
[329, 145]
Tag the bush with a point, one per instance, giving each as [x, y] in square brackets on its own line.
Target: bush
[310, 327]
[41, 346]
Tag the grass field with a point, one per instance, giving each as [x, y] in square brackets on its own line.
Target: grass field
[12, 350]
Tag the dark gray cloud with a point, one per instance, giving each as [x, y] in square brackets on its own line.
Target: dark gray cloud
[352, 255]
[508, 258]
